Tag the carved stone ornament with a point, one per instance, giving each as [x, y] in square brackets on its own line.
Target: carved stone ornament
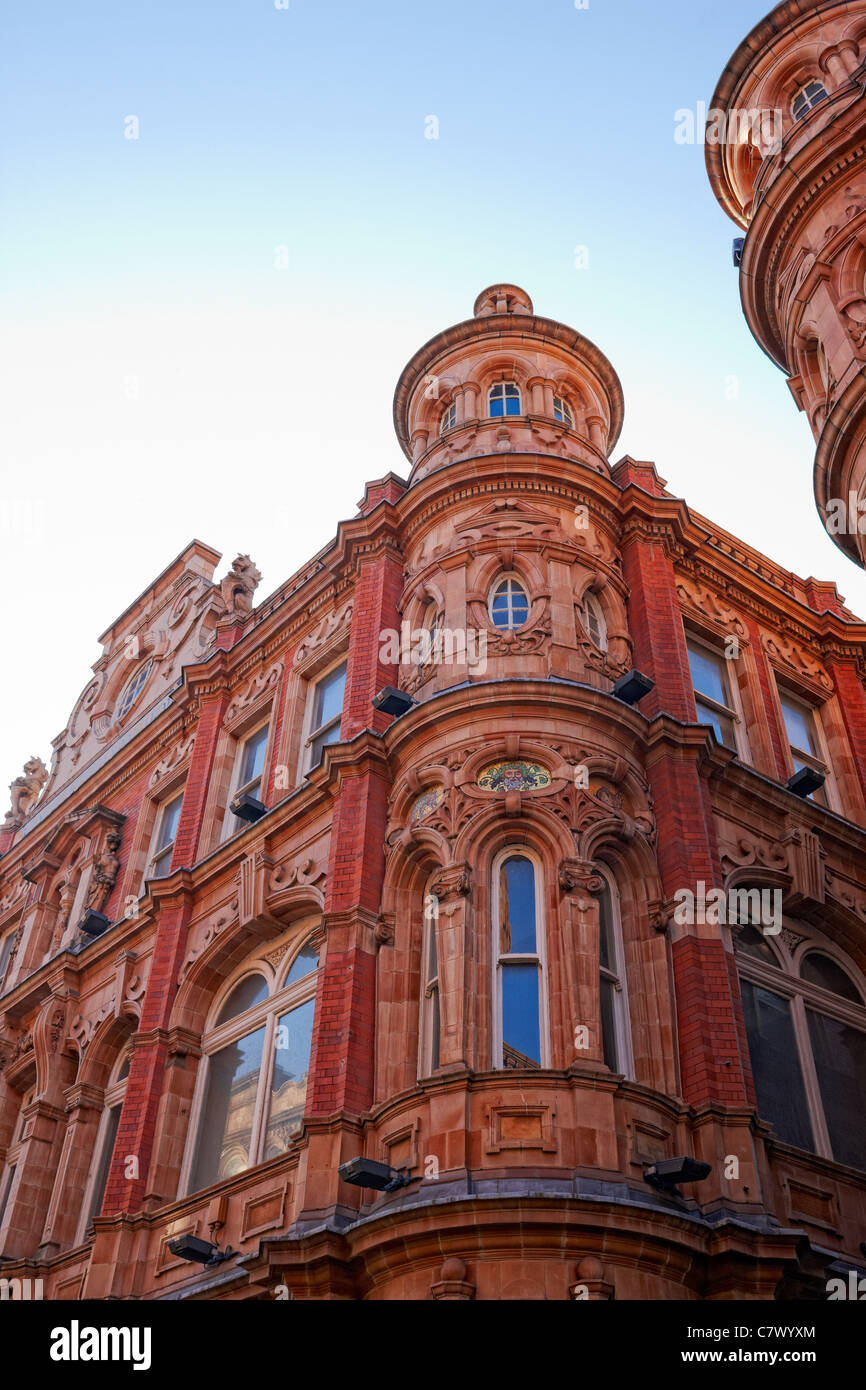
[238, 587]
[326, 629]
[105, 872]
[250, 691]
[575, 876]
[25, 791]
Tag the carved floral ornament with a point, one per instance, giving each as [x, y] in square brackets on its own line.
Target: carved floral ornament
[703, 600]
[263, 888]
[254, 687]
[583, 790]
[790, 657]
[329, 626]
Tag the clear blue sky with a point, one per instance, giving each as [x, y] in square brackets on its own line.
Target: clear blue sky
[162, 378]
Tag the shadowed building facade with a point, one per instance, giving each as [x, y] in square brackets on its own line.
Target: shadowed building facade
[787, 161]
[503, 943]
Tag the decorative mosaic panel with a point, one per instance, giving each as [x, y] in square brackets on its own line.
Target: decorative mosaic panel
[513, 777]
[426, 804]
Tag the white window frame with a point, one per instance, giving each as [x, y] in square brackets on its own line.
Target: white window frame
[281, 999]
[617, 977]
[115, 1093]
[494, 589]
[309, 734]
[168, 849]
[13, 1155]
[590, 601]
[143, 670]
[449, 418]
[820, 761]
[565, 416]
[784, 979]
[509, 391]
[539, 958]
[231, 823]
[7, 943]
[734, 711]
[810, 102]
[431, 991]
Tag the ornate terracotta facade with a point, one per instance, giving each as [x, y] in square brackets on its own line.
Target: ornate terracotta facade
[786, 155]
[263, 1001]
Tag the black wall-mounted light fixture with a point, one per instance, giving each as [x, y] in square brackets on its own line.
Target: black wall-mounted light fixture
[805, 782]
[632, 687]
[366, 1172]
[393, 701]
[199, 1251]
[94, 923]
[737, 250]
[246, 807]
[665, 1174]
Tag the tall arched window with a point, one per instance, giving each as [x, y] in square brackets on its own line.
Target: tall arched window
[133, 688]
[519, 984]
[115, 1092]
[252, 1084]
[431, 1016]
[806, 1026]
[593, 621]
[449, 418]
[508, 603]
[613, 996]
[504, 399]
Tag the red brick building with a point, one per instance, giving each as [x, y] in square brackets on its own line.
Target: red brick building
[519, 944]
[786, 153]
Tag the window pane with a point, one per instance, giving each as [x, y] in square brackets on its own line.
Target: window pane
[5, 953]
[821, 970]
[840, 1061]
[721, 726]
[226, 1125]
[776, 1065]
[319, 744]
[512, 405]
[104, 1162]
[304, 963]
[496, 407]
[750, 941]
[435, 1024]
[521, 1040]
[251, 990]
[168, 822]
[517, 907]
[608, 1024]
[10, 1178]
[329, 697]
[798, 723]
[294, 1038]
[607, 959]
[161, 865]
[253, 761]
[708, 675]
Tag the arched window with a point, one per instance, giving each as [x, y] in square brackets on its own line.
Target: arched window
[593, 621]
[519, 985]
[103, 1150]
[808, 97]
[449, 418]
[431, 1016]
[508, 603]
[252, 1084]
[504, 399]
[132, 690]
[615, 1028]
[7, 1174]
[806, 1026]
[562, 411]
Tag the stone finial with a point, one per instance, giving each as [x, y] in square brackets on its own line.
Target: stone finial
[25, 791]
[238, 586]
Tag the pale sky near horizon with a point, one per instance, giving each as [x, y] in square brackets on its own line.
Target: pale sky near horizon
[163, 378]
